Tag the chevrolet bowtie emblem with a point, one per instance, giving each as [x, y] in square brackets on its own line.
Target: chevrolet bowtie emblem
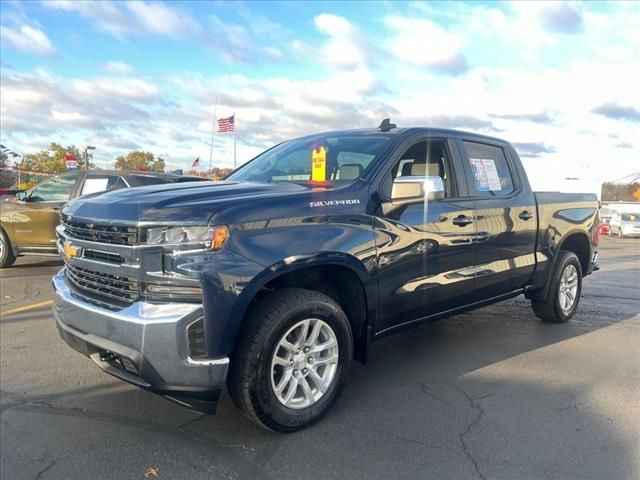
[70, 251]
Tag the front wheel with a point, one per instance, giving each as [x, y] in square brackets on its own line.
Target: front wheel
[565, 287]
[291, 359]
[7, 257]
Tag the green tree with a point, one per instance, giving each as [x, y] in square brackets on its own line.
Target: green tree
[138, 160]
[52, 159]
[219, 173]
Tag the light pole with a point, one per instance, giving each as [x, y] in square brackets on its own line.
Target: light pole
[86, 155]
[17, 163]
[157, 159]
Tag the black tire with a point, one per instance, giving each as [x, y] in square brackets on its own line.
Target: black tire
[550, 310]
[7, 257]
[249, 379]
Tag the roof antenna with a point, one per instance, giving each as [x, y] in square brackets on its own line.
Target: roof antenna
[386, 125]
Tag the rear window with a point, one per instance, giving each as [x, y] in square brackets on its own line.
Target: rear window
[149, 180]
[630, 217]
[491, 173]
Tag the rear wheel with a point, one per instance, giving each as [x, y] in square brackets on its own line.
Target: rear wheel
[565, 288]
[7, 257]
[291, 359]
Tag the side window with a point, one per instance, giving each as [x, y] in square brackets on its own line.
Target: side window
[491, 173]
[99, 183]
[120, 184]
[426, 158]
[58, 189]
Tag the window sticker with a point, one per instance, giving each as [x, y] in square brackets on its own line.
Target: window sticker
[319, 164]
[486, 175]
[93, 185]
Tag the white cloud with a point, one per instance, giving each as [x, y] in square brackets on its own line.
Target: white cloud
[422, 42]
[159, 18]
[27, 39]
[123, 19]
[560, 17]
[117, 67]
[346, 47]
[108, 16]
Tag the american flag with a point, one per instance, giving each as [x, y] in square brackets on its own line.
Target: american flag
[196, 163]
[226, 124]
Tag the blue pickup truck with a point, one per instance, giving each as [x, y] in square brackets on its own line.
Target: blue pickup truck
[271, 281]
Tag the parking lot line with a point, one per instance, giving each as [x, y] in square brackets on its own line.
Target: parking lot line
[26, 307]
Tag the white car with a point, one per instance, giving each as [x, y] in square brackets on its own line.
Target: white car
[625, 225]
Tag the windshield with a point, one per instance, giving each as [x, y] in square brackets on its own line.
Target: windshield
[332, 159]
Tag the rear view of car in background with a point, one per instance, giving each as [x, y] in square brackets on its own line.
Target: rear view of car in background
[605, 215]
[625, 225]
[28, 220]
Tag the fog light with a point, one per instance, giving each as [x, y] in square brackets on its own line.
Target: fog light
[196, 339]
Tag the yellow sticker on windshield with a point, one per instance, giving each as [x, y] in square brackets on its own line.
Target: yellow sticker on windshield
[319, 164]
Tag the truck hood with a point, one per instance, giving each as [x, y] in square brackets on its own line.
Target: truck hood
[192, 202]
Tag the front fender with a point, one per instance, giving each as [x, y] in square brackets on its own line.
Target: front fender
[222, 335]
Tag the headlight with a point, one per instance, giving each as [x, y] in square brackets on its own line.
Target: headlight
[209, 237]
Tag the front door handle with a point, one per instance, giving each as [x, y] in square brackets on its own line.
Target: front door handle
[525, 215]
[462, 221]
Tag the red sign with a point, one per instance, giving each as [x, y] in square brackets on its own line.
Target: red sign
[70, 158]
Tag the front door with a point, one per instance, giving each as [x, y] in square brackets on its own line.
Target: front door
[36, 218]
[425, 249]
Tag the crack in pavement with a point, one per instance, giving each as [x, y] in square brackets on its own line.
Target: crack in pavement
[192, 421]
[45, 469]
[480, 412]
[425, 389]
[575, 406]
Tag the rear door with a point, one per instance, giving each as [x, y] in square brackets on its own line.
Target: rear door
[425, 249]
[505, 218]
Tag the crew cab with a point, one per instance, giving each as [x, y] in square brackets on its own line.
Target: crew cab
[28, 220]
[271, 281]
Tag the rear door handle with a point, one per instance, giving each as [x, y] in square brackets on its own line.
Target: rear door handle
[462, 221]
[525, 215]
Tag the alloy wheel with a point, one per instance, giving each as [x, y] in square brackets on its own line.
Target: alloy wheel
[568, 289]
[304, 363]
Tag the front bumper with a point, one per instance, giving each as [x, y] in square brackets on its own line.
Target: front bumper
[144, 344]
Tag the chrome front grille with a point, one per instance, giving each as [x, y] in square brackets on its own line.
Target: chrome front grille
[102, 288]
[112, 234]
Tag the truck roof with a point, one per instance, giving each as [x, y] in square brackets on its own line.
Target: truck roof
[404, 131]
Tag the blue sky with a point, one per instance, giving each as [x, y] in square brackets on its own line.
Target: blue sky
[560, 80]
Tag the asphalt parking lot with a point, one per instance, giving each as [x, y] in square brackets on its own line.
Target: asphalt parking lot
[494, 394]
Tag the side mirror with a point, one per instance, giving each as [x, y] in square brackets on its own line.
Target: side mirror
[407, 189]
[22, 196]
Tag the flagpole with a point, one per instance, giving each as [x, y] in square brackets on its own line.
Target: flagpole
[213, 131]
[234, 140]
